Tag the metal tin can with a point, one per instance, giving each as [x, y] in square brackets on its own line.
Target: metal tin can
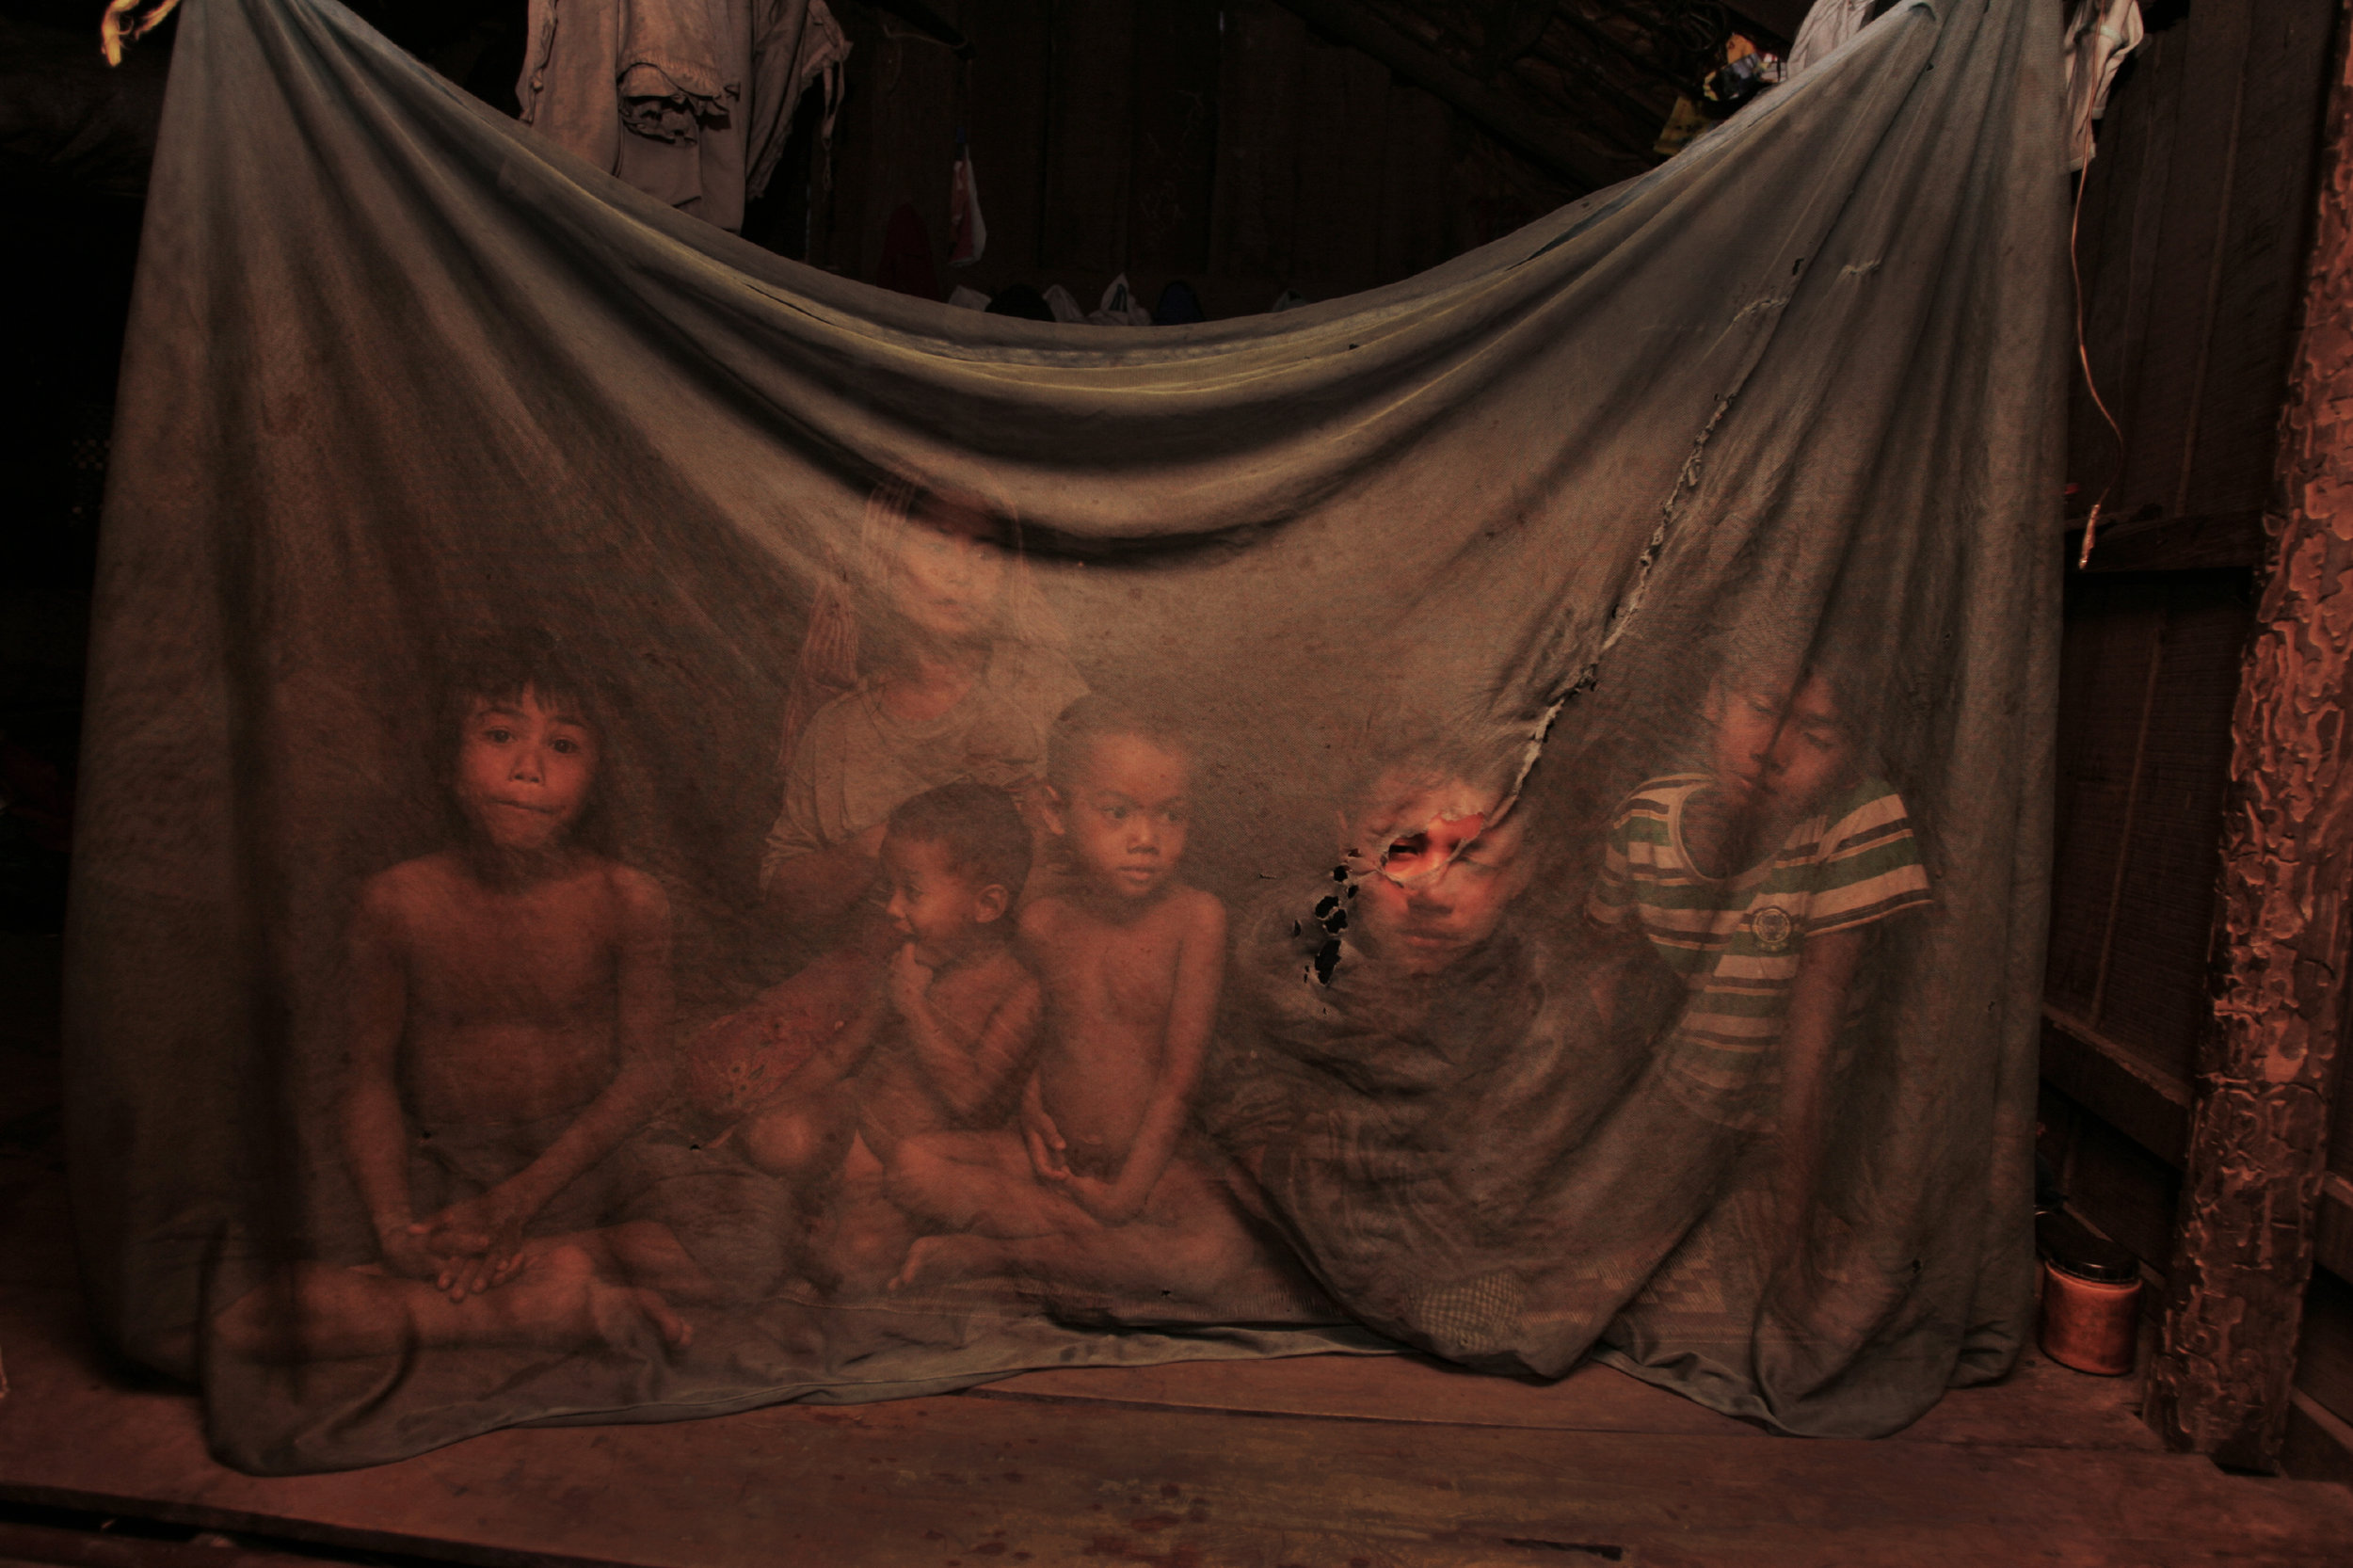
[2091, 1297]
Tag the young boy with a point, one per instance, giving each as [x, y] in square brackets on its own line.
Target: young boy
[1399, 1078]
[1094, 1191]
[507, 1013]
[1761, 881]
[1432, 874]
[943, 1049]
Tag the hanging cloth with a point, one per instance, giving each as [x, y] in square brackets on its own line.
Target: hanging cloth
[968, 231]
[689, 102]
[2100, 35]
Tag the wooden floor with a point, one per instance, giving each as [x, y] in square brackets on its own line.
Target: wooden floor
[1327, 1462]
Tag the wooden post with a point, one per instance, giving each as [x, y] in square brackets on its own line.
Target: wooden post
[2259, 1129]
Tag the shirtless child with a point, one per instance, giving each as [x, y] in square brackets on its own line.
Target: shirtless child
[1094, 1191]
[943, 1049]
[507, 1013]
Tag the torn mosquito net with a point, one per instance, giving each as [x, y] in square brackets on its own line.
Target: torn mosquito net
[666, 831]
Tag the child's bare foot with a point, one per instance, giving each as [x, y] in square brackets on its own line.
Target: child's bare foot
[560, 1296]
[621, 1312]
[861, 1248]
[941, 1259]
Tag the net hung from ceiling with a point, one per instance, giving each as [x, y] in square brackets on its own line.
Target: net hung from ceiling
[665, 831]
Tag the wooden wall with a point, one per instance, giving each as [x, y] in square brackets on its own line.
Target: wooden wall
[2191, 245]
[1227, 144]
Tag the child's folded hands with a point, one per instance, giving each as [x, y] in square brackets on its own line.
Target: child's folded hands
[478, 1242]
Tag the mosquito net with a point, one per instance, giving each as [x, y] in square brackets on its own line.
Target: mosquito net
[665, 831]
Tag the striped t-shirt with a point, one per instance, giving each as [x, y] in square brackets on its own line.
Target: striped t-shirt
[1736, 940]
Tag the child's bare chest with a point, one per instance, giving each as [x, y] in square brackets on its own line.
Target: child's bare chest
[512, 958]
[1120, 975]
[968, 998]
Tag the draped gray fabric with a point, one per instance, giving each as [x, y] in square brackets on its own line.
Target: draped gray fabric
[1552, 864]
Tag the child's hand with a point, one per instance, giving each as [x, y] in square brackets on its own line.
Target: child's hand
[909, 981]
[1049, 1157]
[479, 1241]
[1098, 1198]
[422, 1252]
[405, 1252]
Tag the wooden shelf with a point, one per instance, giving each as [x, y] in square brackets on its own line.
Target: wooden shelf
[2152, 1107]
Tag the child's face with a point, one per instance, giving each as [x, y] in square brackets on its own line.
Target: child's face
[1745, 713]
[950, 573]
[935, 904]
[1125, 814]
[1813, 755]
[524, 770]
[1439, 878]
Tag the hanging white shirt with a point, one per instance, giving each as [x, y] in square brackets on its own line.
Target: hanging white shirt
[2100, 33]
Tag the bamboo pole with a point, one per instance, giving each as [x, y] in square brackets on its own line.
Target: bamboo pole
[2259, 1131]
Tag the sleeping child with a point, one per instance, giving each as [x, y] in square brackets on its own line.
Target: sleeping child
[1761, 881]
[508, 1017]
[1094, 1190]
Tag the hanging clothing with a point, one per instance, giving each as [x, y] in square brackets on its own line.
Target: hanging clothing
[1119, 308]
[2101, 34]
[689, 101]
[968, 231]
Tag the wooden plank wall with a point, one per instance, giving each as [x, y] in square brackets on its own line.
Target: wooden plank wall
[2191, 242]
[1227, 144]
[2191, 239]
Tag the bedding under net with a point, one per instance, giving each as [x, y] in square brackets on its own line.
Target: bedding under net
[664, 831]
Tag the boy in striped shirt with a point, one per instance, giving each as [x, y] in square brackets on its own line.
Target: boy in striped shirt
[1761, 882]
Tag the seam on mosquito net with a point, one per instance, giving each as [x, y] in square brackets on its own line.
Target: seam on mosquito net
[1631, 604]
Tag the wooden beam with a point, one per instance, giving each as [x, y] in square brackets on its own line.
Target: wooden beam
[2217, 540]
[2332, 1233]
[2320, 1444]
[1526, 130]
[2259, 1126]
[2151, 1107]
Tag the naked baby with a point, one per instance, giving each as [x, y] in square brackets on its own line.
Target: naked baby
[508, 1017]
[1095, 1190]
[944, 1046]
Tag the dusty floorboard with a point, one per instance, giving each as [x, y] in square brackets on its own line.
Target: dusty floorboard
[1324, 1463]
[2039, 1406]
[1338, 1462]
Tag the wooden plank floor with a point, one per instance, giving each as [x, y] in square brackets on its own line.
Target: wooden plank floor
[1328, 1462]
[1325, 1461]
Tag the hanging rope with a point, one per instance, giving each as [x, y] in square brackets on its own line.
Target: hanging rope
[2083, 356]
